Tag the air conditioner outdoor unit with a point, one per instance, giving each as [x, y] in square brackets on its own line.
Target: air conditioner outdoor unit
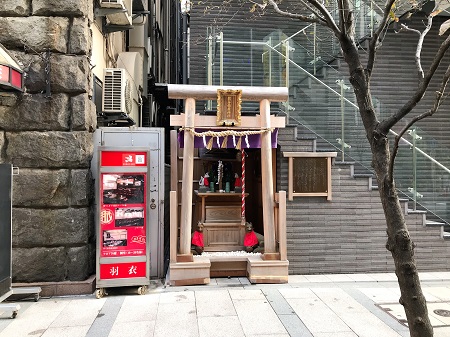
[120, 96]
[124, 16]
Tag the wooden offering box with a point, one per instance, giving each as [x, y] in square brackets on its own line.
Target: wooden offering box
[221, 217]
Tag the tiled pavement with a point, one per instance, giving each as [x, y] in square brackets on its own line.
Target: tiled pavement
[309, 305]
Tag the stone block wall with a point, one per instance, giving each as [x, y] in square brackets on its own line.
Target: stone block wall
[50, 138]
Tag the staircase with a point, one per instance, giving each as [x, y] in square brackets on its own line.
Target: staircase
[348, 233]
[322, 104]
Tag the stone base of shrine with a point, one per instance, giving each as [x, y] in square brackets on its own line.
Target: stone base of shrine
[190, 273]
[254, 267]
[267, 271]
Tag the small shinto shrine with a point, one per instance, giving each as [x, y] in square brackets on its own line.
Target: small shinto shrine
[222, 188]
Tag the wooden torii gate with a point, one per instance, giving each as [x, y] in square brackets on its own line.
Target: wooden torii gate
[183, 268]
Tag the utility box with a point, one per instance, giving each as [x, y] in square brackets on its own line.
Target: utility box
[128, 167]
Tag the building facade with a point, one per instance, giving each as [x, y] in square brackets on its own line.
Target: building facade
[233, 44]
[47, 131]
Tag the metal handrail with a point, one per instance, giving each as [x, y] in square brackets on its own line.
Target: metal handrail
[336, 93]
[293, 35]
[356, 106]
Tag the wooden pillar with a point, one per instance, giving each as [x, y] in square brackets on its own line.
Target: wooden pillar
[282, 225]
[174, 161]
[173, 226]
[267, 179]
[187, 182]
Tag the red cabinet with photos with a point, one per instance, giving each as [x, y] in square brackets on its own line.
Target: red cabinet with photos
[122, 233]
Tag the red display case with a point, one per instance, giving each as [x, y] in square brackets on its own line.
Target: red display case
[123, 252]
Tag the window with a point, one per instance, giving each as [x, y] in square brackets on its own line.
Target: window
[97, 97]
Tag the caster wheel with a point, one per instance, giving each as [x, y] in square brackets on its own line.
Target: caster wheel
[36, 297]
[99, 293]
[14, 314]
[142, 290]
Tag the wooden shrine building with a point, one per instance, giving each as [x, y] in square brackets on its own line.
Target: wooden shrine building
[213, 149]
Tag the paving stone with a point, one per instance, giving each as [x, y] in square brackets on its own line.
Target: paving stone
[79, 312]
[176, 319]
[67, 331]
[313, 313]
[36, 319]
[237, 294]
[136, 329]
[214, 303]
[224, 326]
[442, 293]
[257, 318]
[139, 308]
[106, 317]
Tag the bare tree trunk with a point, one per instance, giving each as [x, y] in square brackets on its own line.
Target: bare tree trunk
[399, 242]
[401, 246]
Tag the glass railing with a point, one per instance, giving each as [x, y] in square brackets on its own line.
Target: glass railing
[322, 102]
[422, 178]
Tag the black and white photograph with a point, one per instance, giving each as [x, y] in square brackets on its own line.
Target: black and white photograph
[129, 217]
[123, 189]
[114, 238]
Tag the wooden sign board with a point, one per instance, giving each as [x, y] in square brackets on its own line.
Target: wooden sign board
[309, 174]
[229, 107]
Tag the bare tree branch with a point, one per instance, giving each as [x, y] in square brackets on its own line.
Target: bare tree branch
[388, 123]
[306, 18]
[437, 103]
[345, 17]
[327, 16]
[420, 42]
[326, 20]
[376, 35]
[341, 16]
[313, 11]
[405, 27]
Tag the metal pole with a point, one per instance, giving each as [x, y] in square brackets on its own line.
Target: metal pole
[342, 122]
[314, 50]
[209, 104]
[270, 62]
[371, 18]
[293, 35]
[221, 58]
[287, 61]
[414, 159]
[251, 58]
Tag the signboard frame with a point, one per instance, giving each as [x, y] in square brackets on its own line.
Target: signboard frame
[325, 192]
[132, 179]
